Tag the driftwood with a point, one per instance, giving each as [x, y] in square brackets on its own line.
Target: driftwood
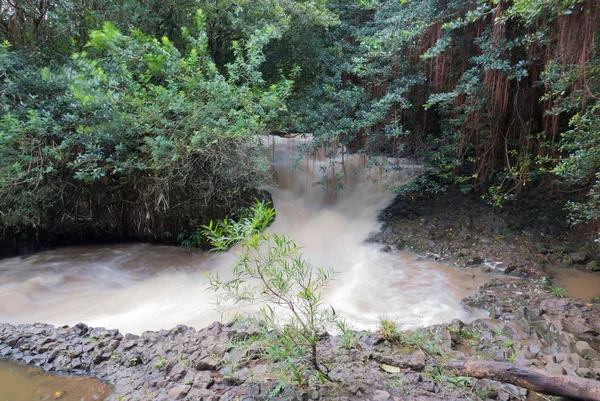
[575, 388]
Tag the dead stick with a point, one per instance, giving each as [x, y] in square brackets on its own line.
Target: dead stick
[575, 388]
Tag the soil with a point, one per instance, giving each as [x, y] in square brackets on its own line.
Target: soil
[521, 238]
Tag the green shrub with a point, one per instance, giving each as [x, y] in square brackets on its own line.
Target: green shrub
[271, 274]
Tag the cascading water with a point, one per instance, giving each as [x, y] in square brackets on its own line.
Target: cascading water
[137, 287]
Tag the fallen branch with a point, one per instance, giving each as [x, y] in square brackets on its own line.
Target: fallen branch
[575, 388]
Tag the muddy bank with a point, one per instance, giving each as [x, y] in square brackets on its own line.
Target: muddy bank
[521, 238]
[227, 362]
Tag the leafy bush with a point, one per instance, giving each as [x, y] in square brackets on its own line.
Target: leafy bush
[270, 273]
[133, 135]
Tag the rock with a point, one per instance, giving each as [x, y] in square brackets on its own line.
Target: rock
[207, 363]
[381, 395]
[417, 361]
[585, 350]
[584, 372]
[532, 315]
[515, 331]
[503, 396]
[101, 357]
[578, 361]
[535, 348]
[524, 324]
[578, 258]
[566, 340]
[549, 359]
[203, 380]
[576, 326]
[178, 392]
[206, 395]
[80, 329]
[552, 303]
[52, 356]
[176, 371]
[500, 355]
[521, 360]
[76, 363]
[43, 345]
[555, 369]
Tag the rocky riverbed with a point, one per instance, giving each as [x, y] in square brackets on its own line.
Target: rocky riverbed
[224, 362]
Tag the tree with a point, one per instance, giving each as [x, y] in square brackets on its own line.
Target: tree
[133, 127]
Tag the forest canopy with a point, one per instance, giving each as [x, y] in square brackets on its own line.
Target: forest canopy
[135, 118]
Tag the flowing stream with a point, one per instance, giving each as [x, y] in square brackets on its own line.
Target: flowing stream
[137, 287]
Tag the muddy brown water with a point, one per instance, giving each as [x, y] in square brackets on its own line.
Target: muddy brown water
[137, 287]
[25, 383]
[578, 284]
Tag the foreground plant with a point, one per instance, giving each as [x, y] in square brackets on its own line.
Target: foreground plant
[271, 274]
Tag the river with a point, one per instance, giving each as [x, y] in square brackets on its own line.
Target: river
[137, 287]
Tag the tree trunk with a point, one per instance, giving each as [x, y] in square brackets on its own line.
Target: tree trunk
[575, 388]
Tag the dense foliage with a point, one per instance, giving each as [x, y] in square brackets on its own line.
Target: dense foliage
[494, 96]
[132, 118]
